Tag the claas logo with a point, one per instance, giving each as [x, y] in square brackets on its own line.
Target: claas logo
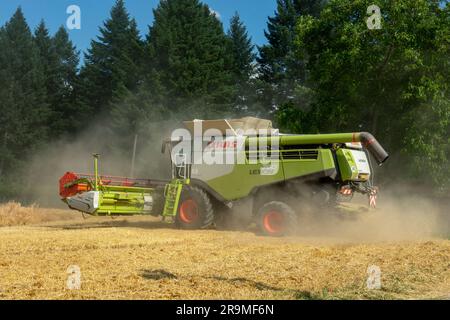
[224, 145]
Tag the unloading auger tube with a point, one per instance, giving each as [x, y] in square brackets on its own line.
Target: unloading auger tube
[366, 139]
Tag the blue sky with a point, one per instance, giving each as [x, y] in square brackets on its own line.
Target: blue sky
[93, 12]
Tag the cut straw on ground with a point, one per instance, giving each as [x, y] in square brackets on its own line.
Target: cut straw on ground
[142, 258]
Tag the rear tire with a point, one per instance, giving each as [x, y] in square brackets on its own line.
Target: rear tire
[195, 210]
[276, 219]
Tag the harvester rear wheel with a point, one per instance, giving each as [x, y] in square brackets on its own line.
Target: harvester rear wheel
[276, 219]
[195, 209]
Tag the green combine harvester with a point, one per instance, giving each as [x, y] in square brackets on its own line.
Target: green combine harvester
[218, 164]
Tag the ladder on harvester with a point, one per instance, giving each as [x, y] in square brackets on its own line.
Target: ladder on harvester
[172, 195]
[172, 192]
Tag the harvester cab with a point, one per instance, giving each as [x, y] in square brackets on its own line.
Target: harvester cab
[218, 163]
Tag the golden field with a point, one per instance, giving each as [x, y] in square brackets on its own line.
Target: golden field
[142, 258]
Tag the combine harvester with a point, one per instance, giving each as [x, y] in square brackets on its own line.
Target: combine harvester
[277, 172]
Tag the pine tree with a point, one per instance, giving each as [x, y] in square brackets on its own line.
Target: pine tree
[309, 7]
[242, 57]
[69, 113]
[276, 58]
[282, 73]
[47, 54]
[113, 63]
[241, 50]
[187, 45]
[59, 60]
[23, 109]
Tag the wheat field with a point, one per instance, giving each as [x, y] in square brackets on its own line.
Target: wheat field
[143, 258]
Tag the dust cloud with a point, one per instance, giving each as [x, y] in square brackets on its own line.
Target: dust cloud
[398, 218]
[75, 154]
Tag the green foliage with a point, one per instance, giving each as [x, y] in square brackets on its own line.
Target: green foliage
[135, 114]
[427, 143]
[282, 72]
[24, 111]
[70, 114]
[113, 63]
[240, 50]
[292, 119]
[188, 54]
[59, 60]
[242, 57]
[390, 82]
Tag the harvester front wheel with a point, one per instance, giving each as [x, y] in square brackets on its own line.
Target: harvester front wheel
[195, 209]
[276, 219]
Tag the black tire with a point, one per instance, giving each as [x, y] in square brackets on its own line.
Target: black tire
[195, 209]
[276, 219]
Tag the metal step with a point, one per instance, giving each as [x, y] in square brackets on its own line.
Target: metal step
[172, 195]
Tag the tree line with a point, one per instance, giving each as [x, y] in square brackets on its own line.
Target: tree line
[321, 70]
